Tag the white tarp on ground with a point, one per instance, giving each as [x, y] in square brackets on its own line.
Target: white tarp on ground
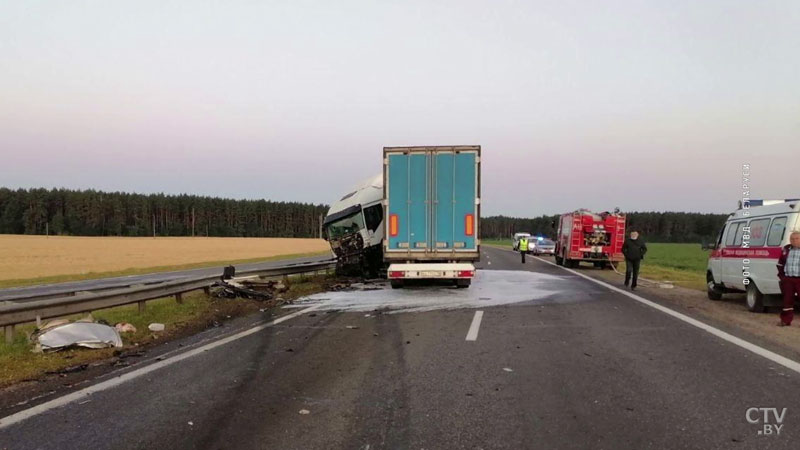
[489, 288]
[83, 334]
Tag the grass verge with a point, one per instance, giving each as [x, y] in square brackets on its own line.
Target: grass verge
[144, 270]
[198, 311]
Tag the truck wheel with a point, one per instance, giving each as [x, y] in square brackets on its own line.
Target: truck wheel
[463, 283]
[755, 299]
[714, 290]
[397, 284]
[559, 261]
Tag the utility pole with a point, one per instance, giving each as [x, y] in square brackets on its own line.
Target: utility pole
[192, 221]
[320, 226]
[154, 225]
[47, 229]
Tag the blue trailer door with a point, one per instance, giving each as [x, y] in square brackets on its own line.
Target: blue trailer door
[444, 203]
[454, 211]
[408, 206]
[464, 203]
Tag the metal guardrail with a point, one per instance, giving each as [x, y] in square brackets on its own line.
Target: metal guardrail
[33, 309]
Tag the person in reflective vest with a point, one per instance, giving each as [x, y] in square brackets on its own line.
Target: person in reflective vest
[523, 248]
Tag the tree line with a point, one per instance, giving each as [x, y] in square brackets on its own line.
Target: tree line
[96, 213]
[654, 226]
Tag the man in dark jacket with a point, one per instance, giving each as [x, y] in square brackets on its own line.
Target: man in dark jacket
[634, 250]
[789, 275]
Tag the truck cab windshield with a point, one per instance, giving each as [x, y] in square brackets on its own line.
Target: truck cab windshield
[346, 225]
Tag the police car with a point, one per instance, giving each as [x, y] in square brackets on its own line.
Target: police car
[746, 252]
[543, 246]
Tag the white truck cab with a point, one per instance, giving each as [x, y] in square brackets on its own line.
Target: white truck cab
[354, 227]
[745, 255]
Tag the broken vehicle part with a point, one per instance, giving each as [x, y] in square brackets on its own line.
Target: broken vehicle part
[81, 334]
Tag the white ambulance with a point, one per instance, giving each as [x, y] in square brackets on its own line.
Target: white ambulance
[746, 253]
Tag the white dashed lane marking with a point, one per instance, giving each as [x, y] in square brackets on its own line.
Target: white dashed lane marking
[472, 334]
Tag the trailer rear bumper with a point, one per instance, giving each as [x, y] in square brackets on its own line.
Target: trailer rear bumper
[422, 271]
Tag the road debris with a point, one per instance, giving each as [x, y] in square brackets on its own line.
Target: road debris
[508, 369]
[156, 326]
[352, 327]
[234, 289]
[125, 327]
[80, 334]
[71, 369]
[191, 424]
[305, 412]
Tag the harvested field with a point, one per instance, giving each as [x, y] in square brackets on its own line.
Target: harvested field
[38, 257]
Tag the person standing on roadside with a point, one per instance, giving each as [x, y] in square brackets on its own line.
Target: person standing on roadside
[523, 247]
[634, 250]
[789, 275]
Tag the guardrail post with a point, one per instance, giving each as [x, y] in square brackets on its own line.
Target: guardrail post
[179, 298]
[9, 332]
[142, 306]
[207, 291]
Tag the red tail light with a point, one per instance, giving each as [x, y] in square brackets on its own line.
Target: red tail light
[469, 225]
[397, 274]
[393, 225]
[466, 273]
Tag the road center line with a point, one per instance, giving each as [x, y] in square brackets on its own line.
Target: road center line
[761, 351]
[116, 381]
[472, 334]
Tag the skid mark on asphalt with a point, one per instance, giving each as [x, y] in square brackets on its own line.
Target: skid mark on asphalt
[489, 288]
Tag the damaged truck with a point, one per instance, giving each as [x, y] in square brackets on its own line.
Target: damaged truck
[354, 228]
[418, 220]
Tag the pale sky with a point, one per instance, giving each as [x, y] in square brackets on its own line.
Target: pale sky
[644, 105]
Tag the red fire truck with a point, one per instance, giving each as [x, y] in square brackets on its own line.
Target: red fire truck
[592, 237]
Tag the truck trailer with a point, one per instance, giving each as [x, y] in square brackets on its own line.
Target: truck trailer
[586, 236]
[432, 206]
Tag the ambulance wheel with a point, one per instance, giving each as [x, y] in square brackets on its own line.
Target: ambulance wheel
[463, 283]
[754, 299]
[397, 284]
[714, 291]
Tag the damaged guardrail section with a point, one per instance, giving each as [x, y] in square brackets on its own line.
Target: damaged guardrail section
[32, 309]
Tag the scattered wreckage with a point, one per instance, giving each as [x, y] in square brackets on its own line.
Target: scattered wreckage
[60, 334]
[247, 287]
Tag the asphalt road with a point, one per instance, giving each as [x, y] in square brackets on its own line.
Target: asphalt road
[20, 293]
[576, 365]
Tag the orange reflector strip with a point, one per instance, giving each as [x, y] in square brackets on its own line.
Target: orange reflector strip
[393, 225]
[469, 225]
